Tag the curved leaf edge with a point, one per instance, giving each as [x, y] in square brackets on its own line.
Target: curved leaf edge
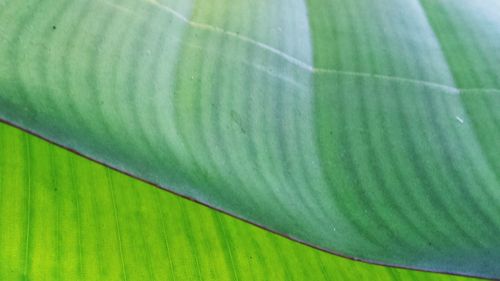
[228, 213]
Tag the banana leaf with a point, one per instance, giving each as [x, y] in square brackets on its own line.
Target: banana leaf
[364, 128]
[66, 218]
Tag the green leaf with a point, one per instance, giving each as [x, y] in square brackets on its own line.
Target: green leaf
[366, 128]
[66, 218]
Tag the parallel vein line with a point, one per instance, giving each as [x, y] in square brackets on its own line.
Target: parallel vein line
[117, 224]
[28, 207]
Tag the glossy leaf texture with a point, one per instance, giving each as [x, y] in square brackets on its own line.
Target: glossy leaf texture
[64, 217]
[366, 128]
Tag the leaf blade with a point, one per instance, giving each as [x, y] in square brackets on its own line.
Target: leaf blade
[237, 113]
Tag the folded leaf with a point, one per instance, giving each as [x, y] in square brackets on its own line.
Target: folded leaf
[366, 128]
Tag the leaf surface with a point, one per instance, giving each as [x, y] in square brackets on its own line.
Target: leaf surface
[364, 128]
[67, 218]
